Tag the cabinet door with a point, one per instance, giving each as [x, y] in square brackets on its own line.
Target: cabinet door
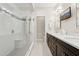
[51, 44]
[54, 53]
[63, 51]
[67, 52]
[47, 39]
[59, 50]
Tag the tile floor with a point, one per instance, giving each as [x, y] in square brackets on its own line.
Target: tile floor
[40, 49]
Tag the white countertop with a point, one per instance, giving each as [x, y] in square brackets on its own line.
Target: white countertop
[69, 39]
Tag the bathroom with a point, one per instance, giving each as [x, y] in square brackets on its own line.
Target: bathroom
[25, 28]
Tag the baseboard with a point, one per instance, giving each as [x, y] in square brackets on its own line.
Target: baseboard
[29, 50]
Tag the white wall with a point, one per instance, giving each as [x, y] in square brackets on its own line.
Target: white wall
[7, 24]
[49, 17]
[7, 44]
[34, 15]
[69, 25]
[8, 40]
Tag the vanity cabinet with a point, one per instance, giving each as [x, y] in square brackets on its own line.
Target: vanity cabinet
[60, 48]
[63, 51]
[51, 44]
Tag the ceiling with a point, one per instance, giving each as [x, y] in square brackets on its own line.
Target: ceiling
[44, 5]
[29, 6]
[23, 8]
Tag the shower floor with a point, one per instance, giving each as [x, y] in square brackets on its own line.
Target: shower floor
[19, 51]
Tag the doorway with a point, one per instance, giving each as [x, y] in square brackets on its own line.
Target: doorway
[40, 26]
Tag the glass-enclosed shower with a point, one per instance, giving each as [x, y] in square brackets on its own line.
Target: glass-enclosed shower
[15, 32]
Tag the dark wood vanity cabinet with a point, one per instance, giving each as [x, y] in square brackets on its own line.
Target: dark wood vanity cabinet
[63, 51]
[51, 44]
[60, 48]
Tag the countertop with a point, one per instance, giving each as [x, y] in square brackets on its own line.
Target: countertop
[69, 39]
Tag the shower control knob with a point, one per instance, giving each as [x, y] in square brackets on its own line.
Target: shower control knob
[12, 31]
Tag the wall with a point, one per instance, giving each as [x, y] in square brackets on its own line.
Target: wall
[12, 31]
[69, 25]
[9, 38]
[48, 16]
[7, 43]
[34, 15]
